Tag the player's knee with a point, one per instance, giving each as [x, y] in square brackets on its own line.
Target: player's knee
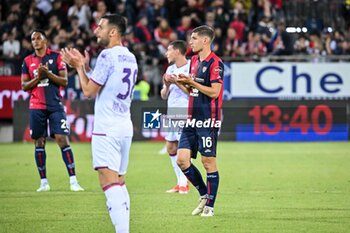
[171, 150]
[182, 162]
[209, 164]
[61, 140]
[40, 142]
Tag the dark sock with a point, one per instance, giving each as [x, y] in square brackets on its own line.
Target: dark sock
[68, 159]
[195, 177]
[212, 187]
[40, 159]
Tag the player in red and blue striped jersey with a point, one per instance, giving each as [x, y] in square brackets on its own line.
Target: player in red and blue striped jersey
[43, 74]
[205, 87]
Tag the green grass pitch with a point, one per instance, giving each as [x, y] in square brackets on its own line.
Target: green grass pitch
[264, 187]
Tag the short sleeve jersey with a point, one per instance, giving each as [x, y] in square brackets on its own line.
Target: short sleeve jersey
[46, 95]
[206, 72]
[116, 72]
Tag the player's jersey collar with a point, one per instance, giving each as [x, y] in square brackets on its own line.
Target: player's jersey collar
[47, 52]
[211, 54]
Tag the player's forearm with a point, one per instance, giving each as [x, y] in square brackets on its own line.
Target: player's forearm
[58, 80]
[212, 91]
[183, 87]
[164, 93]
[29, 85]
[84, 81]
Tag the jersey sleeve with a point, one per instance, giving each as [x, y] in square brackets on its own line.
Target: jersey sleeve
[217, 72]
[25, 71]
[61, 65]
[102, 68]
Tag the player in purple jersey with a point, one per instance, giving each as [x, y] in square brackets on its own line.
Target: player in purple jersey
[43, 73]
[204, 85]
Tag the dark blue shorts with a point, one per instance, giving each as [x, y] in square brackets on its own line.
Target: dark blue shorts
[38, 123]
[203, 140]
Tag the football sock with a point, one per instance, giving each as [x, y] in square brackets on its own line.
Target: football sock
[40, 159]
[73, 180]
[44, 181]
[126, 193]
[117, 207]
[195, 177]
[68, 159]
[181, 178]
[212, 187]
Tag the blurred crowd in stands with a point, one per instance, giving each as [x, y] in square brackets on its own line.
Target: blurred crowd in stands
[243, 28]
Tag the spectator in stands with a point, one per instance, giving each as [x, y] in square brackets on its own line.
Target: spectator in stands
[82, 11]
[254, 46]
[163, 32]
[155, 11]
[344, 48]
[210, 19]
[11, 47]
[301, 45]
[101, 10]
[44, 6]
[217, 44]
[231, 44]
[240, 7]
[184, 27]
[332, 42]
[195, 11]
[12, 21]
[28, 26]
[59, 10]
[54, 26]
[26, 48]
[151, 68]
[239, 26]
[346, 13]
[316, 45]
[74, 31]
[221, 14]
[285, 41]
[141, 89]
[141, 31]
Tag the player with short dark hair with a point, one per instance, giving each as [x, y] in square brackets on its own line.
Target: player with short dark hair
[112, 82]
[43, 73]
[177, 106]
[205, 86]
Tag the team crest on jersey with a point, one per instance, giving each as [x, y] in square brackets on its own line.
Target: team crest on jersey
[50, 61]
[204, 69]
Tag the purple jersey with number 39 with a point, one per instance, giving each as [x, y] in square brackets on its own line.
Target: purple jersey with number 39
[116, 73]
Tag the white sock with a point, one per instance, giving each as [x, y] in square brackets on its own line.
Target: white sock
[118, 208]
[126, 193]
[73, 180]
[44, 181]
[181, 178]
